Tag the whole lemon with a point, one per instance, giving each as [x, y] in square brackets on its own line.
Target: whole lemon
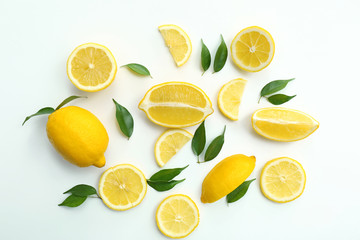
[226, 176]
[78, 135]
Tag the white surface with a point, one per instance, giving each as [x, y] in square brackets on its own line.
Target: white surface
[316, 41]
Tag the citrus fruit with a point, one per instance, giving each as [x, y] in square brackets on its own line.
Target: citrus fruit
[229, 98]
[169, 143]
[177, 216]
[178, 43]
[122, 187]
[283, 124]
[226, 176]
[252, 49]
[91, 67]
[176, 104]
[78, 136]
[282, 180]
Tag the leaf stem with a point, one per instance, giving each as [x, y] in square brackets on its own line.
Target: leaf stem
[259, 99]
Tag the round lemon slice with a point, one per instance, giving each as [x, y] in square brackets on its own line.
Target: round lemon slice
[91, 67]
[177, 216]
[169, 143]
[252, 49]
[282, 180]
[122, 187]
[176, 105]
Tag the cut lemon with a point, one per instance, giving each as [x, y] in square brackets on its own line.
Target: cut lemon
[169, 143]
[176, 105]
[177, 216]
[91, 67]
[229, 98]
[282, 180]
[178, 43]
[122, 187]
[252, 49]
[283, 124]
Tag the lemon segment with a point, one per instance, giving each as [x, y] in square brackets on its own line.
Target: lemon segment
[91, 67]
[282, 180]
[122, 187]
[177, 216]
[169, 143]
[229, 98]
[178, 42]
[252, 49]
[283, 124]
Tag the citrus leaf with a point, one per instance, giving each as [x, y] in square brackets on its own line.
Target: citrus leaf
[162, 186]
[273, 87]
[82, 190]
[73, 201]
[166, 174]
[124, 119]
[220, 56]
[46, 110]
[67, 100]
[138, 68]
[279, 99]
[199, 140]
[239, 192]
[205, 57]
[215, 147]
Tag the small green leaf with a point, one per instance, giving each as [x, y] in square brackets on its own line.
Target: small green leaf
[73, 201]
[138, 68]
[220, 56]
[46, 110]
[162, 186]
[279, 99]
[205, 57]
[273, 87]
[82, 190]
[124, 119]
[199, 140]
[166, 174]
[67, 100]
[239, 192]
[215, 147]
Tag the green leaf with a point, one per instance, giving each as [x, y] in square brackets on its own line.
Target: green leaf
[124, 119]
[205, 57]
[220, 56]
[73, 201]
[279, 99]
[239, 192]
[162, 186]
[138, 68]
[273, 87]
[215, 147]
[166, 174]
[46, 110]
[82, 190]
[67, 100]
[199, 140]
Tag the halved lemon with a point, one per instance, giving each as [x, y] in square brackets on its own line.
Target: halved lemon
[122, 187]
[283, 124]
[169, 143]
[229, 98]
[282, 180]
[176, 104]
[91, 67]
[178, 43]
[177, 216]
[252, 49]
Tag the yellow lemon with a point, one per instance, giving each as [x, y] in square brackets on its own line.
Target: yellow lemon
[282, 180]
[78, 136]
[177, 216]
[226, 176]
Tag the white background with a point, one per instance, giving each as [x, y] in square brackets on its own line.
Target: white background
[316, 41]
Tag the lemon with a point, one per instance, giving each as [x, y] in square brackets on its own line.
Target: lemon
[177, 216]
[226, 176]
[169, 143]
[122, 187]
[283, 124]
[229, 98]
[91, 67]
[252, 49]
[178, 43]
[78, 136]
[282, 180]
[176, 105]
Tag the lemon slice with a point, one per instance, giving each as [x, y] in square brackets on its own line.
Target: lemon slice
[178, 43]
[169, 143]
[176, 105]
[252, 49]
[283, 124]
[229, 98]
[91, 67]
[282, 180]
[177, 216]
[122, 187]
